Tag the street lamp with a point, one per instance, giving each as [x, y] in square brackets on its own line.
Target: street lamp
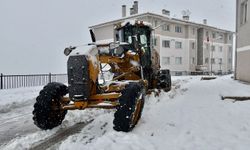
[218, 38]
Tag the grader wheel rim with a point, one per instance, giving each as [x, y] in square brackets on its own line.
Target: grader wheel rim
[135, 115]
[57, 105]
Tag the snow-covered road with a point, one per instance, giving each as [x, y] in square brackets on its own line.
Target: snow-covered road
[16, 113]
[17, 122]
[191, 116]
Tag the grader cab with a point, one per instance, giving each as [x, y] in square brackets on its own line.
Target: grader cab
[135, 68]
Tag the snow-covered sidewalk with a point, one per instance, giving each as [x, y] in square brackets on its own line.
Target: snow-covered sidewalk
[191, 116]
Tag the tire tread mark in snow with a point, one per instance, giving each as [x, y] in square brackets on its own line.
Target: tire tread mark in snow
[59, 136]
[7, 120]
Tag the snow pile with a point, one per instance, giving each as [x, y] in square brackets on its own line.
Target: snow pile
[191, 116]
[16, 98]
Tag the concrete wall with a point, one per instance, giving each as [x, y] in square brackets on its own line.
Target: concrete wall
[243, 44]
[172, 52]
[243, 29]
[243, 67]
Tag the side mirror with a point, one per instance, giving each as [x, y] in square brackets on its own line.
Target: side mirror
[68, 50]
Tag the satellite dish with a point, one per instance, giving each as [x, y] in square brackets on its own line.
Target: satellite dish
[186, 12]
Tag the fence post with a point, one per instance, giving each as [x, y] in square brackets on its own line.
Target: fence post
[50, 77]
[1, 81]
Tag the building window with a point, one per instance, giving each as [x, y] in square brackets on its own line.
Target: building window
[178, 73]
[193, 60]
[207, 46]
[207, 34]
[178, 45]
[156, 23]
[230, 49]
[230, 60]
[206, 60]
[213, 48]
[178, 60]
[221, 48]
[193, 31]
[230, 37]
[221, 36]
[243, 12]
[166, 60]
[193, 45]
[212, 61]
[214, 35]
[155, 41]
[178, 29]
[166, 43]
[165, 27]
[220, 60]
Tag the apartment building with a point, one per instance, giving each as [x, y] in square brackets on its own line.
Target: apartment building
[242, 65]
[185, 47]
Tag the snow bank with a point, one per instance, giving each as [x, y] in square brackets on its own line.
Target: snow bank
[191, 116]
[16, 98]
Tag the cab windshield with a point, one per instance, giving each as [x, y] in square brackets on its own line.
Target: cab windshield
[137, 36]
[130, 33]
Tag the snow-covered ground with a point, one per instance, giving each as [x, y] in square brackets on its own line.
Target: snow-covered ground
[191, 116]
[16, 112]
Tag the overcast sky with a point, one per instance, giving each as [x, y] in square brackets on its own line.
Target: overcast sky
[34, 33]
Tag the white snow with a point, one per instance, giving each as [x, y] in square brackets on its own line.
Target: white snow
[15, 98]
[133, 22]
[191, 116]
[106, 41]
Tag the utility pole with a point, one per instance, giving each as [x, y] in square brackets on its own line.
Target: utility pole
[236, 39]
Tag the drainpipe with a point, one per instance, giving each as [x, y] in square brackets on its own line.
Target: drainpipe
[236, 39]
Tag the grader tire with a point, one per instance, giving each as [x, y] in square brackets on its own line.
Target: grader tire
[47, 113]
[164, 82]
[130, 109]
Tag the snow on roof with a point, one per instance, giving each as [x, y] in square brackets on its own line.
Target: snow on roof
[134, 22]
[105, 41]
[84, 50]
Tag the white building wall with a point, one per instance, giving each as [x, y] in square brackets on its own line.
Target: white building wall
[172, 53]
[188, 35]
[217, 54]
[242, 67]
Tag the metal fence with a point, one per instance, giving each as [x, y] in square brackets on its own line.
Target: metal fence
[17, 81]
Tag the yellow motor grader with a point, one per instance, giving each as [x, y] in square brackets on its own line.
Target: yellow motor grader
[135, 68]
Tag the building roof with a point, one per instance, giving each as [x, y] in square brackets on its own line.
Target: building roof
[163, 17]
